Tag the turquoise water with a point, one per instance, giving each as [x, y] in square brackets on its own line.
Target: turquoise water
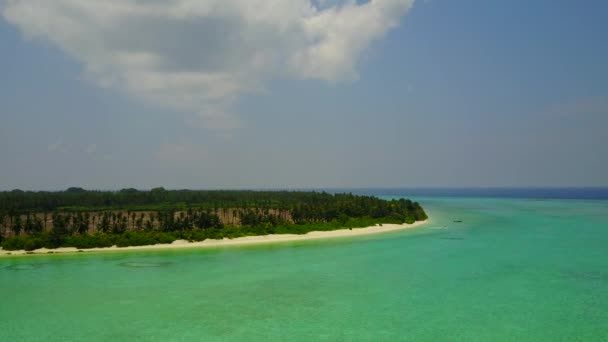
[513, 270]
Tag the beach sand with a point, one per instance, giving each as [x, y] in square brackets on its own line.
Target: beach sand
[247, 240]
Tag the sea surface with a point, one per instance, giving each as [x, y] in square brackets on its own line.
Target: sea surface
[513, 269]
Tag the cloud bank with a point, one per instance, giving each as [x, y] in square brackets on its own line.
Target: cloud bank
[199, 55]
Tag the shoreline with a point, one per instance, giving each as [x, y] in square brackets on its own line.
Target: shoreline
[240, 241]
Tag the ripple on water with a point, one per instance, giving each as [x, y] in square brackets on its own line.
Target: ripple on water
[454, 238]
[24, 267]
[145, 264]
[587, 276]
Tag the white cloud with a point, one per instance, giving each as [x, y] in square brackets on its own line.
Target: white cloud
[200, 55]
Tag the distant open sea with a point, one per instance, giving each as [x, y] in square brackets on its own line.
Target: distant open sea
[491, 265]
[530, 193]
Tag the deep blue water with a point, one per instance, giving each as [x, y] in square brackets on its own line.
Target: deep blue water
[598, 193]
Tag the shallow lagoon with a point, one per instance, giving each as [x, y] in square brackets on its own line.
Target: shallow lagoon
[512, 270]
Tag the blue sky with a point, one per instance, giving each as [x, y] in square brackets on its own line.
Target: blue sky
[447, 93]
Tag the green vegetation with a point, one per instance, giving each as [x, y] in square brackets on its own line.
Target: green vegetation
[87, 219]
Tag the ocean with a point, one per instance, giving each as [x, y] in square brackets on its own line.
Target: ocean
[485, 268]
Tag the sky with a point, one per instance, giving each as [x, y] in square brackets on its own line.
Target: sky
[207, 94]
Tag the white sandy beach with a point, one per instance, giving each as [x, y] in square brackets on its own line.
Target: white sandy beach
[247, 240]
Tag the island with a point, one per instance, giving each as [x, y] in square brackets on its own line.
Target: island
[77, 219]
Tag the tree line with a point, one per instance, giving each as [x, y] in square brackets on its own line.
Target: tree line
[53, 219]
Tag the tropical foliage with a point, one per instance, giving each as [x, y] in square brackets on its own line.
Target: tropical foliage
[85, 219]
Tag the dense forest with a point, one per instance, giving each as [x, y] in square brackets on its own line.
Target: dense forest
[129, 217]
